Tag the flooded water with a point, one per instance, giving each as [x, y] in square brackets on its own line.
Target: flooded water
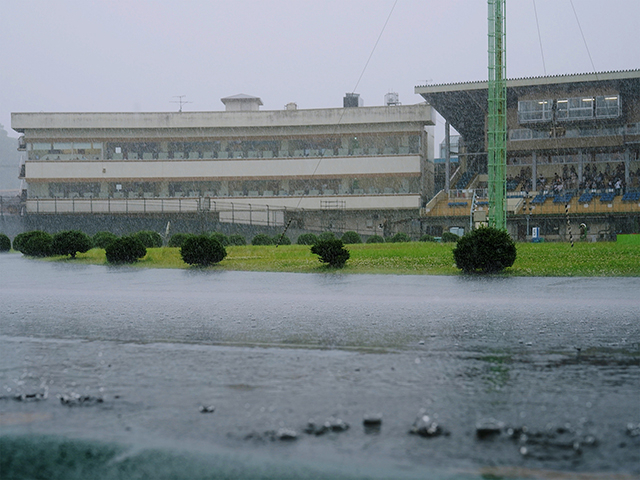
[519, 377]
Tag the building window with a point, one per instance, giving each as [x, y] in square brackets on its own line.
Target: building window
[535, 111]
[608, 106]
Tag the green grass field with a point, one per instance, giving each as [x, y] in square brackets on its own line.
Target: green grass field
[419, 258]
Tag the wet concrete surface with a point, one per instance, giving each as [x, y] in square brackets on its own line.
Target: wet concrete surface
[522, 377]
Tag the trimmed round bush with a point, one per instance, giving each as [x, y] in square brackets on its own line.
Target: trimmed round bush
[448, 237]
[102, 239]
[149, 238]
[331, 251]
[307, 239]
[427, 238]
[21, 239]
[125, 250]
[485, 250]
[5, 243]
[202, 250]
[262, 239]
[237, 240]
[400, 237]
[221, 237]
[71, 242]
[326, 236]
[375, 239]
[178, 239]
[350, 237]
[34, 244]
[281, 240]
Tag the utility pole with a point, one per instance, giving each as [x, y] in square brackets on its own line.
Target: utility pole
[497, 118]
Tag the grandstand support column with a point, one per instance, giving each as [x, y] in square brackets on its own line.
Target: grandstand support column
[534, 172]
[580, 166]
[497, 116]
[447, 156]
[627, 166]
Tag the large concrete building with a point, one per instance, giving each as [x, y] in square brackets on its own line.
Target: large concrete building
[352, 168]
[573, 147]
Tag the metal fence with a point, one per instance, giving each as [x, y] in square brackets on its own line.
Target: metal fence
[228, 212]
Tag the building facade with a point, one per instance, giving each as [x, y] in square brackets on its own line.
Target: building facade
[326, 169]
[573, 151]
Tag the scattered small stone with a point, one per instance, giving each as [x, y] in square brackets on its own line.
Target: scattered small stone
[331, 425]
[27, 397]
[286, 434]
[425, 426]
[207, 408]
[421, 342]
[489, 427]
[77, 400]
[633, 430]
[372, 420]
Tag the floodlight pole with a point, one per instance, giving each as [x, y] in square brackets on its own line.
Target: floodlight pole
[497, 117]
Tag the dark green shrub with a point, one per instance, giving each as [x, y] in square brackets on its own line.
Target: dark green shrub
[220, 237]
[71, 242]
[281, 240]
[262, 239]
[149, 238]
[125, 250]
[448, 237]
[351, 237]
[5, 243]
[326, 236]
[307, 239]
[202, 250]
[237, 240]
[178, 239]
[375, 239]
[21, 238]
[35, 243]
[400, 237]
[427, 238]
[485, 250]
[102, 239]
[331, 251]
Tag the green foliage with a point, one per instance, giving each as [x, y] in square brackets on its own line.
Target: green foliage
[262, 239]
[448, 237]
[485, 250]
[202, 250]
[400, 237]
[102, 239]
[307, 239]
[149, 238]
[34, 243]
[326, 236]
[331, 251]
[427, 238]
[237, 240]
[5, 243]
[178, 239]
[351, 237]
[281, 240]
[220, 237]
[375, 239]
[71, 242]
[125, 250]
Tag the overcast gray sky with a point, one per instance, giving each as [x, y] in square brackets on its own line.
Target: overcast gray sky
[137, 55]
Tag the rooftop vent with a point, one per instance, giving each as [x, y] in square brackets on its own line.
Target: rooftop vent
[352, 100]
[391, 98]
[241, 103]
[291, 106]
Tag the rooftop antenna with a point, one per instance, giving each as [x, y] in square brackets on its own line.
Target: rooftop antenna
[180, 101]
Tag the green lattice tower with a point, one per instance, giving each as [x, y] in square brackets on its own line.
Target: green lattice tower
[497, 119]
